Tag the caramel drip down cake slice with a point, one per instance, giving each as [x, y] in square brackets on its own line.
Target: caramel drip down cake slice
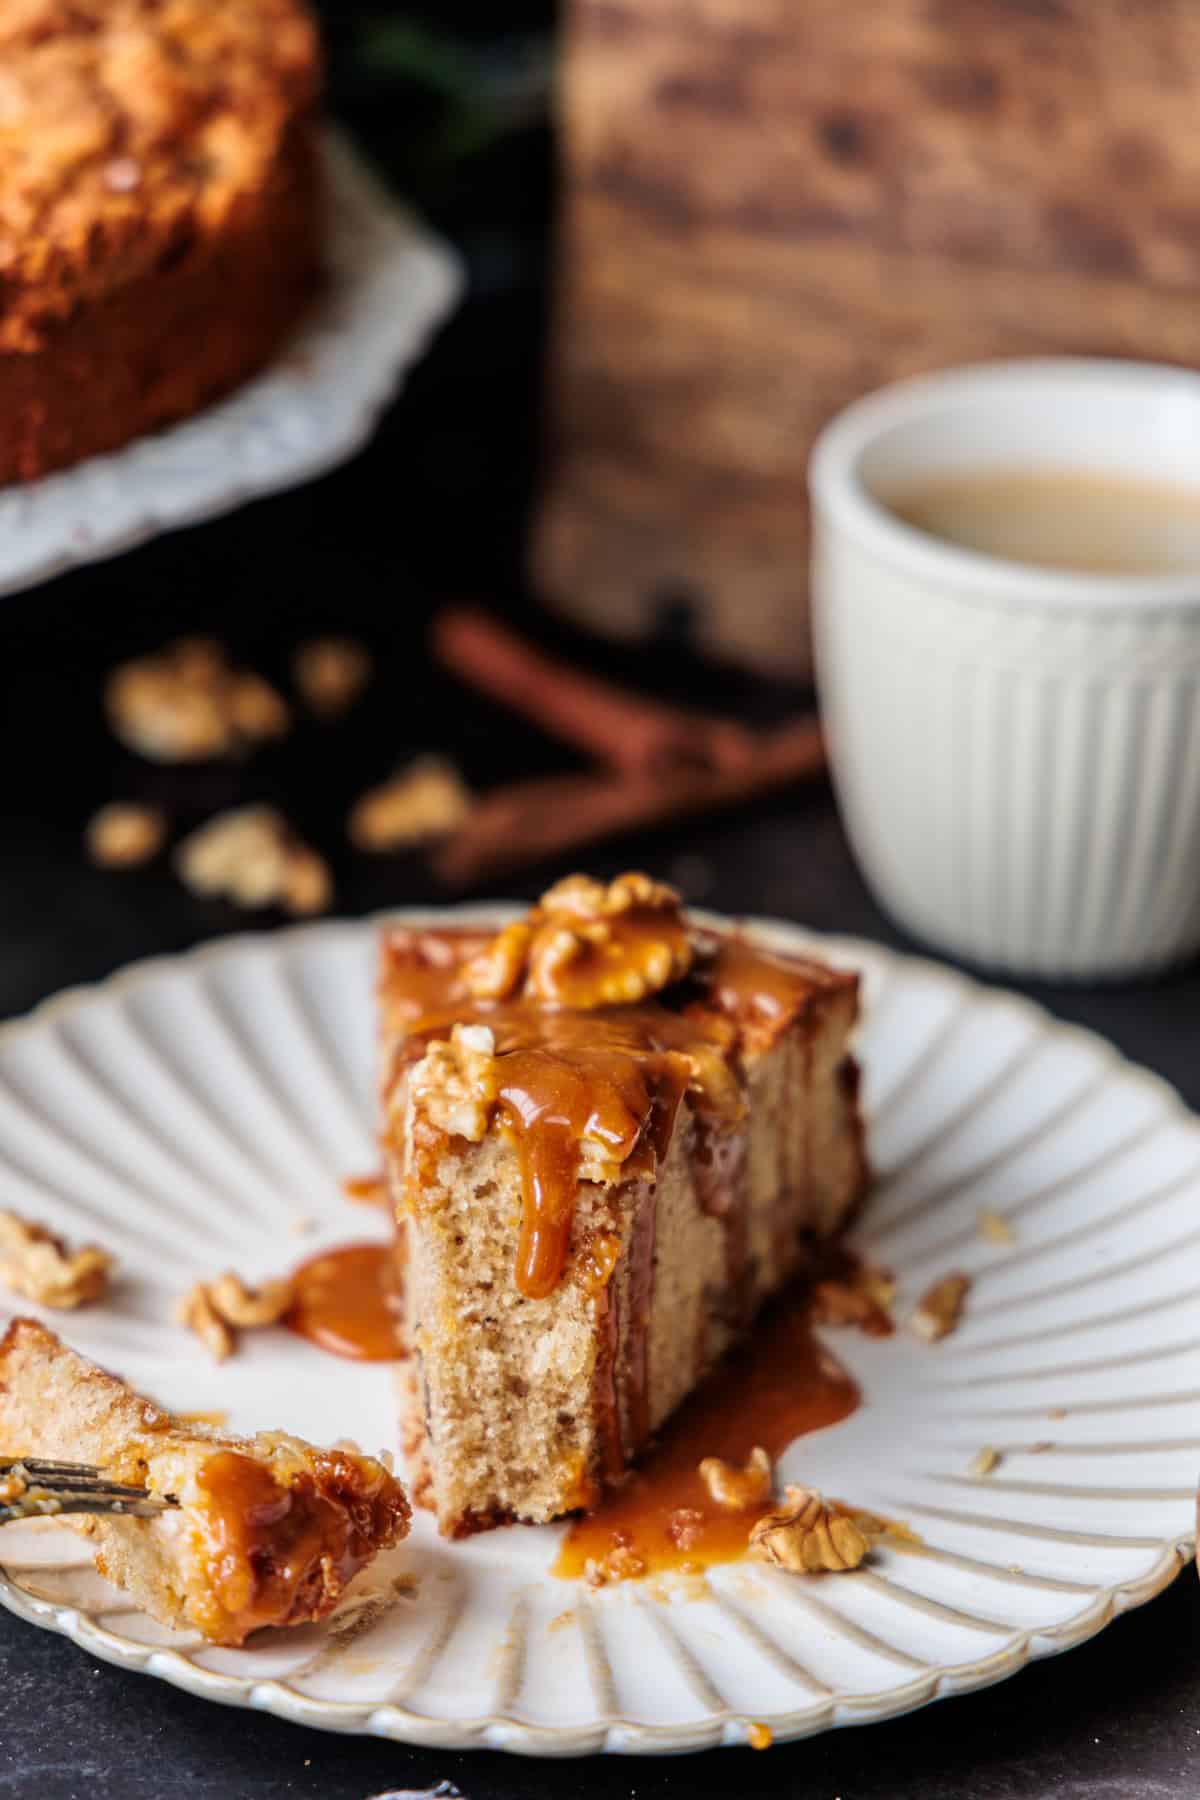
[610, 1135]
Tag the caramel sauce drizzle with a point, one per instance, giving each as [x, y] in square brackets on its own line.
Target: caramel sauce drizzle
[344, 1301]
[570, 1078]
[271, 1547]
[779, 1384]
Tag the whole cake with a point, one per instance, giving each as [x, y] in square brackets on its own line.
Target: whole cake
[158, 211]
[611, 1133]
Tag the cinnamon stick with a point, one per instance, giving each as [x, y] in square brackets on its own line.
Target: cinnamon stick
[621, 728]
[532, 821]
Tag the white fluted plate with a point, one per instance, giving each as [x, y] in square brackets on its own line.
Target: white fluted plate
[389, 283]
[188, 1113]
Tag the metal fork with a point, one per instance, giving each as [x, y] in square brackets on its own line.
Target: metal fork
[32, 1489]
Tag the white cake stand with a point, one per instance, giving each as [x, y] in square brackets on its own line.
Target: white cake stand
[390, 283]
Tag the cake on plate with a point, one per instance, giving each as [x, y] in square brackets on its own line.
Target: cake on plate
[261, 1531]
[610, 1134]
[159, 212]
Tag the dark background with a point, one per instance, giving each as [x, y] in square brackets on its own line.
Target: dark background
[435, 506]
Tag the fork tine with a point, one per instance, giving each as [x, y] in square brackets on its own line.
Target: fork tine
[48, 1488]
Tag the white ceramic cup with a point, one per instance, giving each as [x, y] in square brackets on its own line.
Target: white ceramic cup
[1016, 750]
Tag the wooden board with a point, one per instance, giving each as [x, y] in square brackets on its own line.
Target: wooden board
[771, 206]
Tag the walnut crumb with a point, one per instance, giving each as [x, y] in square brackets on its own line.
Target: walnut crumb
[37, 1264]
[428, 799]
[940, 1307]
[808, 1534]
[217, 1310]
[863, 1298]
[995, 1228]
[1042, 1445]
[983, 1461]
[188, 701]
[685, 1527]
[330, 673]
[738, 1489]
[252, 857]
[123, 834]
[621, 1563]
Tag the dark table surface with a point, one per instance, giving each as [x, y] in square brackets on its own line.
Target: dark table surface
[436, 505]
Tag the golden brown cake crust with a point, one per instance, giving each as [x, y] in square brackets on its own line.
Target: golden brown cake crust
[158, 211]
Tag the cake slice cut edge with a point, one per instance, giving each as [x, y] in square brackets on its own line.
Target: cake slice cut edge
[268, 1531]
[525, 1405]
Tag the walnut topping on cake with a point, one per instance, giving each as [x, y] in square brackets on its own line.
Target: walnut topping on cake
[738, 1489]
[586, 945]
[454, 1084]
[809, 1534]
[35, 1263]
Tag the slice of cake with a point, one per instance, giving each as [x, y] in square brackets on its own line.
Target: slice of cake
[267, 1530]
[610, 1134]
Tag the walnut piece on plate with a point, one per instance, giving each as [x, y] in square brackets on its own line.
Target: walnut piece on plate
[252, 857]
[738, 1489]
[217, 1310]
[188, 702]
[940, 1307]
[124, 834]
[809, 1534]
[37, 1264]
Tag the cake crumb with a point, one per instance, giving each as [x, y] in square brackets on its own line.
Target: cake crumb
[367, 1190]
[984, 1461]
[1042, 1445]
[38, 1265]
[124, 834]
[940, 1308]
[995, 1228]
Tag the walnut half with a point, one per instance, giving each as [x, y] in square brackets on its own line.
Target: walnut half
[809, 1534]
[586, 945]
